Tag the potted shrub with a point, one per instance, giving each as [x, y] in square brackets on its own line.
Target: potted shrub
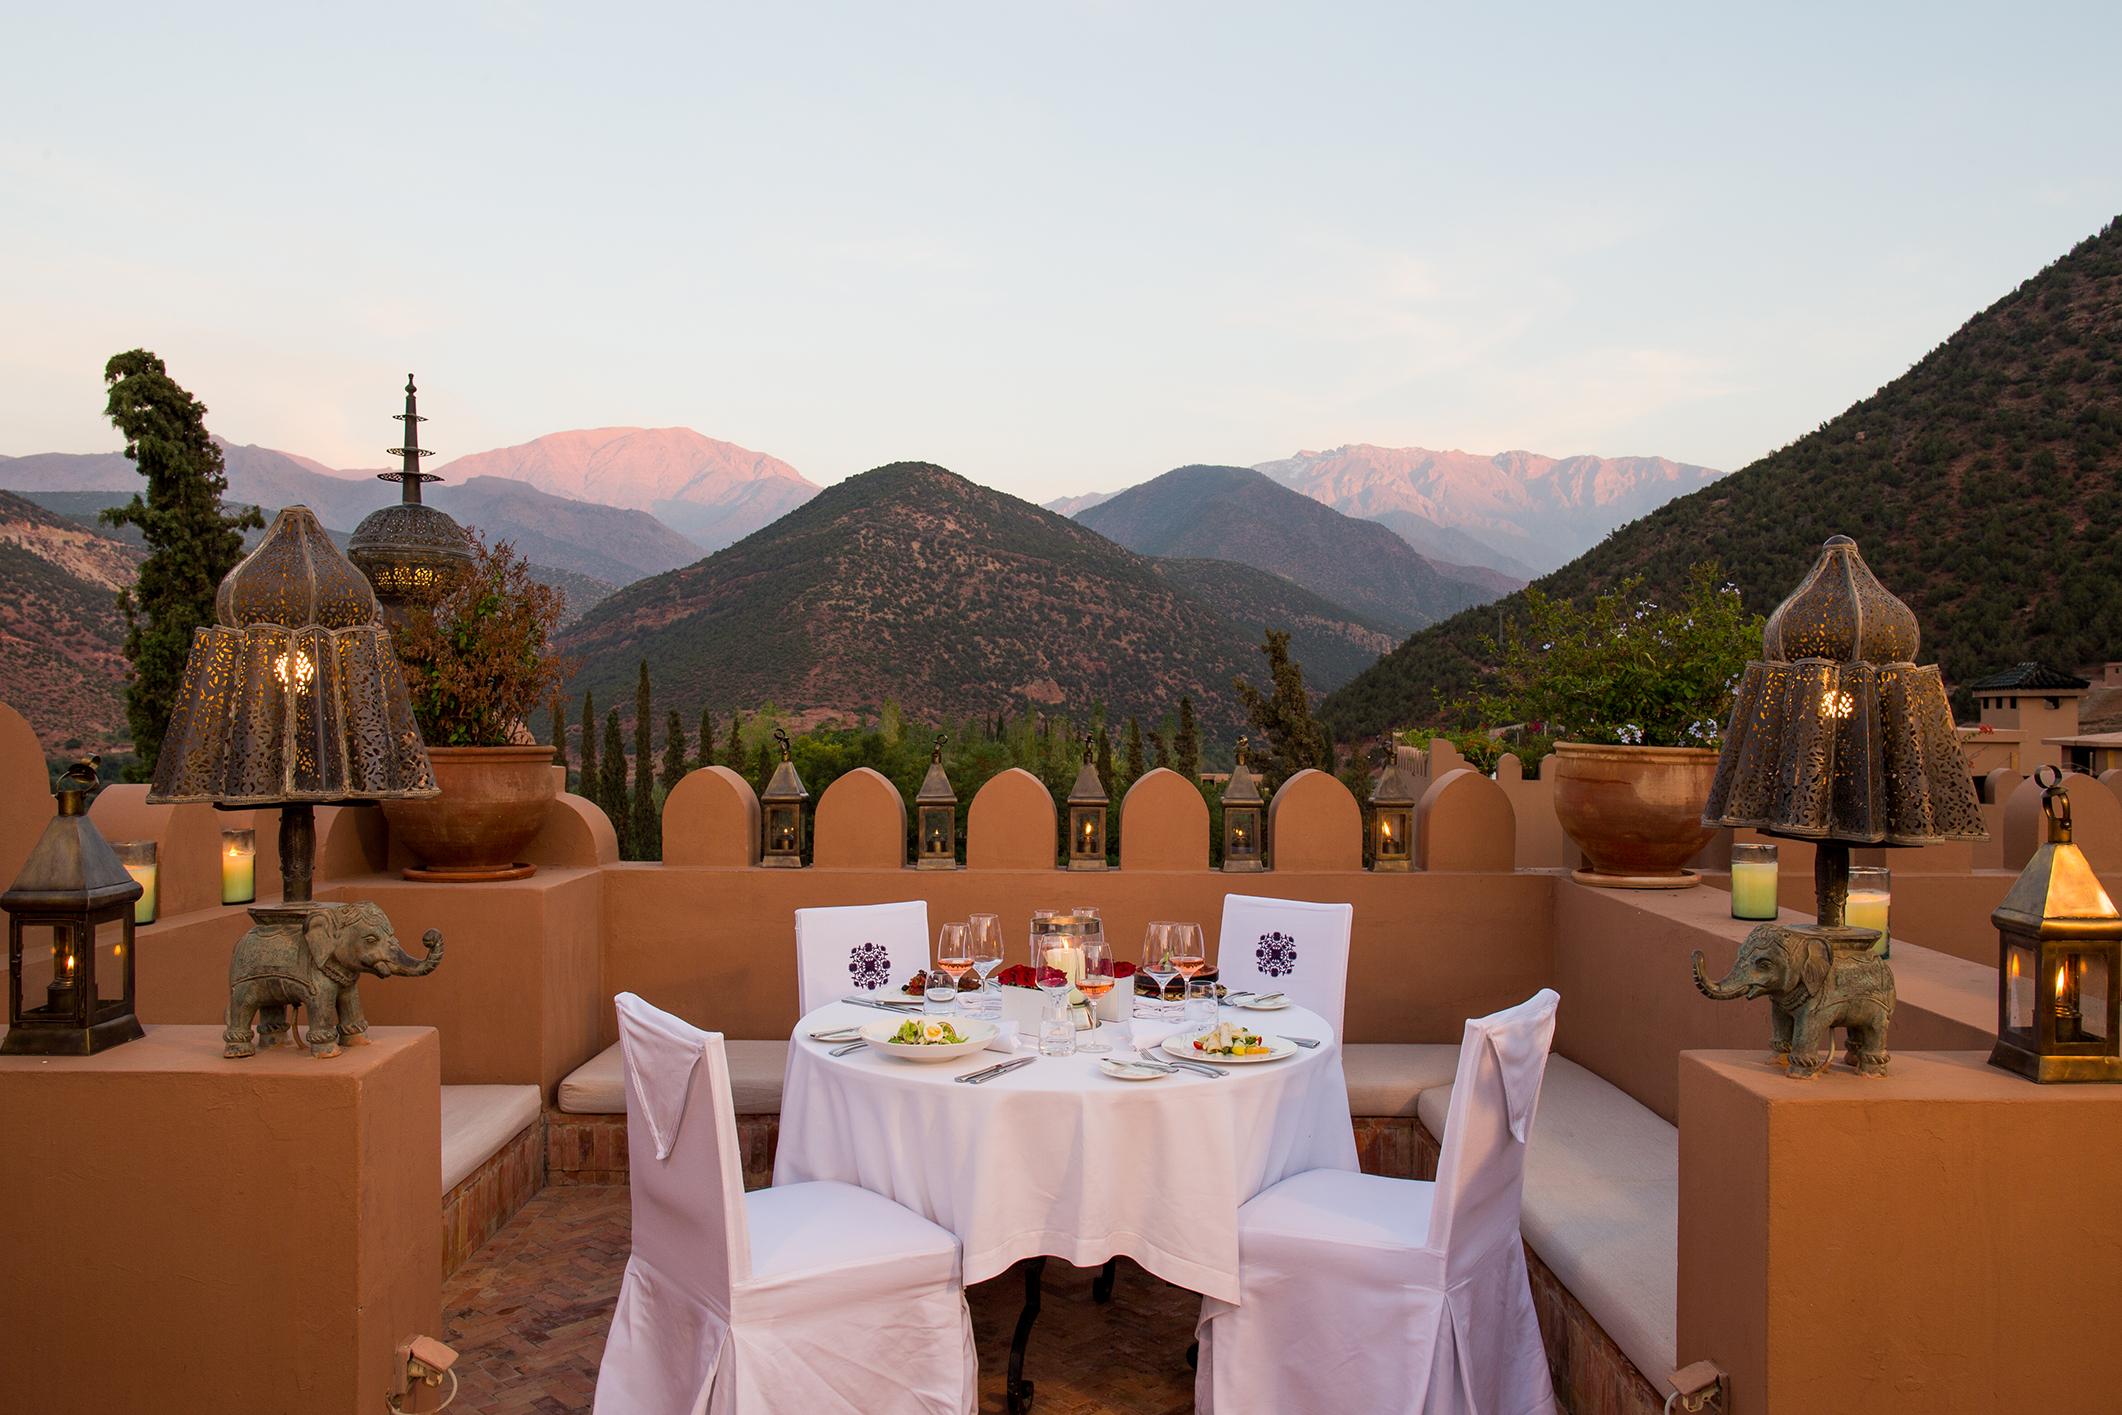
[1634, 697]
[477, 661]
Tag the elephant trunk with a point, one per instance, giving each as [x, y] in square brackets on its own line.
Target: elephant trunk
[1723, 991]
[404, 965]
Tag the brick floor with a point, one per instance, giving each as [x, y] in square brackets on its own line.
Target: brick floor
[528, 1314]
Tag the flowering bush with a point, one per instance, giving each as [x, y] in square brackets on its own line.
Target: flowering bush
[478, 660]
[1622, 669]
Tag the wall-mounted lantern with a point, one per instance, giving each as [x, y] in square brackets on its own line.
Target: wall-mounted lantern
[783, 811]
[1086, 815]
[1392, 816]
[1244, 844]
[936, 817]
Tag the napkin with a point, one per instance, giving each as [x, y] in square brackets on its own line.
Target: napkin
[1148, 1033]
[1005, 1039]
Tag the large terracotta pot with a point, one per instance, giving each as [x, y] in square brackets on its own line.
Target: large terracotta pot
[1635, 812]
[492, 803]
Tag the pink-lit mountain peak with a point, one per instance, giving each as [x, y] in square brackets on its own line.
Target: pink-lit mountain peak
[635, 467]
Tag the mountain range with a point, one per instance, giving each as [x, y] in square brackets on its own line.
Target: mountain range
[913, 584]
[1980, 486]
[60, 635]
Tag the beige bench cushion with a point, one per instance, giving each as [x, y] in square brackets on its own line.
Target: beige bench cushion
[477, 1121]
[1385, 1078]
[1602, 1206]
[755, 1071]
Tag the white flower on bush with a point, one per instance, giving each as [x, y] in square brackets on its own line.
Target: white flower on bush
[1628, 734]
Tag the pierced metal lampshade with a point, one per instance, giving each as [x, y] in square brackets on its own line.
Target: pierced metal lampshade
[1836, 733]
[294, 695]
[411, 552]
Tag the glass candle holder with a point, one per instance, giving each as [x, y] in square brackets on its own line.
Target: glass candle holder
[138, 857]
[1870, 900]
[239, 866]
[1753, 882]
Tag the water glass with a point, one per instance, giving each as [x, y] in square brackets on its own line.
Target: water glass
[939, 994]
[1057, 1030]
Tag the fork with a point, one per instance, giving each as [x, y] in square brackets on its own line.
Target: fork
[856, 1045]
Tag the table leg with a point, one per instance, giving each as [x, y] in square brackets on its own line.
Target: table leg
[1019, 1389]
[1101, 1286]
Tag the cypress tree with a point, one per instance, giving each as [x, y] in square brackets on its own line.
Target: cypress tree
[1131, 764]
[1161, 754]
[1186, 742]
[1282, 718]
[191, 543]
[1105, 762]
[647, 829]
[707, 736]
[589, 785]
[763, 767]
[674, 764]
[733, 754]
[612, 786]
[559, 733]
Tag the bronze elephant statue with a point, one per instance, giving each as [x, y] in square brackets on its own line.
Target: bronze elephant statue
[312, 958]
[1813, 988]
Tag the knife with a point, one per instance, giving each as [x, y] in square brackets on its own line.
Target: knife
[1002, 1070]
[1305, 1042]
[886, 1006]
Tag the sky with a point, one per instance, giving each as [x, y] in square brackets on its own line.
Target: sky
[1054, 247]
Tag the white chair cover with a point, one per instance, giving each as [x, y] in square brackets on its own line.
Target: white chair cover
[1287, 946]
[808, 1298]
[1389, 1295]
[860, 948]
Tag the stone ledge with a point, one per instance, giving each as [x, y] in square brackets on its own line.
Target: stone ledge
[490, 1195]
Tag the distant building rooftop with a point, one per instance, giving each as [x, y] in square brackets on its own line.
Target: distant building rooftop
[2029, 677]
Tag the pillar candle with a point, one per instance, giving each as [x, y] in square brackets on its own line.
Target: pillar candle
[144, 906]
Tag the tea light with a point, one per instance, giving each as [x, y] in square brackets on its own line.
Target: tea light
[1753, 882]
[138, 857]
[239, 860]
[1870, 895]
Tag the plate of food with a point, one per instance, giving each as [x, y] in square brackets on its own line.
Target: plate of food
[1230, 1044]
[928, 1038]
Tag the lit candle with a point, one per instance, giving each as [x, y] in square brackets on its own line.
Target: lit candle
[138, 857]
[1870, 895]
[239, 859]
[2067, 1018]
[1753, 881]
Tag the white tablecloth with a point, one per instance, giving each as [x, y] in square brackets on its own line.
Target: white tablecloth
[1059, 1158]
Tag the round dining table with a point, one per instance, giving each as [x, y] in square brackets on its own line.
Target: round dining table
[1059, 1159]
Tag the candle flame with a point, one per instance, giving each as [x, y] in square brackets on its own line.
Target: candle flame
[2062, 976]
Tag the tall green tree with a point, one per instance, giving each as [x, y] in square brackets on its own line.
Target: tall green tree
[559, 715]
[612, 785]
[707, 736]
[590, 785]
[1160, 754]
[1105, 762]
[1282, 718]
[647, 830]
[191, 541]
[675, 764]
[1131, 764]
[762, 768]
[1186, 742]
[733, 754]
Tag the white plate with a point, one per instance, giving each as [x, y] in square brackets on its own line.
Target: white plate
[1184, 1047]
[1250, 1006]
[879, 1033]
[1121, 1071]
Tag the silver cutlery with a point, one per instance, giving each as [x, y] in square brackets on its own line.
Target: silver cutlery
[883, 1006]
[1256, 996]
[1306, 1042]
[1199, 1068]
[836, 1034]
[990, 1073]
[851, 1046]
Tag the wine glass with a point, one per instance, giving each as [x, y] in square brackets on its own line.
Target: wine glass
[987, 957]
[1097, 980]
[1189, 953]
[954, 953]
[1157, 959]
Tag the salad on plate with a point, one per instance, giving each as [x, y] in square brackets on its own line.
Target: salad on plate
[1231, 1039]
[924, 1032]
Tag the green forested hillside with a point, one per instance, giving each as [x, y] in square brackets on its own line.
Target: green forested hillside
[1981, 486]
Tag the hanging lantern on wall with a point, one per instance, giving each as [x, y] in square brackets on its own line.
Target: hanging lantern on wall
[411, 552]
[2059, 973]
[73, 899]
[1086, 815]
[1392, 815]
[936, 817]
[782, 811]
[1244, 844]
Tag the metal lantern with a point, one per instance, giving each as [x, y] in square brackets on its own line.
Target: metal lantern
[936, 817]
[1244, 843]
[75, 900]
[1086, 815]
[2059, 972]
[411, 552]
[783, 811]
[1392, 815]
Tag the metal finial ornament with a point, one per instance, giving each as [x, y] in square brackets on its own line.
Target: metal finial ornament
[781, 740]
[411, 552]
[1243, 744]
[935, 756]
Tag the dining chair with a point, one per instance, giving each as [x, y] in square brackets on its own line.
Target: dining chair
[797, 1299]
[1288, 946]
[1358, 1292]
[858, 948]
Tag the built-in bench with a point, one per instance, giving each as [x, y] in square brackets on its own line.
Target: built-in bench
[493, 1160]
[585, 1132]
[1385, 1080]
[1601, 1220]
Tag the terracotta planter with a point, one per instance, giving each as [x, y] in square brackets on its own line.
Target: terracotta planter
[492, 804]
[1635, 812]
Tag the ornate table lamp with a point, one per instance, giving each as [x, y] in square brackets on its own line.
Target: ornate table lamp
[1839, 738]
[293, 699]
[411, 552]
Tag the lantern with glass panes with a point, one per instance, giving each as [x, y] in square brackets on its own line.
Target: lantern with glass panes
[936, 817]
[1086, 815]
[781, 810]
[1243, 844]
[1392, 814]
[73, 901]
[2059, 973]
